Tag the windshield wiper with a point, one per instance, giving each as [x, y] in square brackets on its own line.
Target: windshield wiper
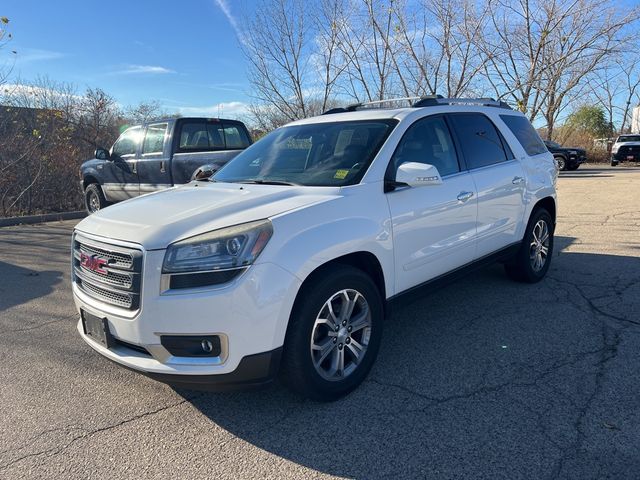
[260, 181]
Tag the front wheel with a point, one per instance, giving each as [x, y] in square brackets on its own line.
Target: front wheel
[562, 164]
[334, 334]
[94, 199]
[614, 163]
[532, 261]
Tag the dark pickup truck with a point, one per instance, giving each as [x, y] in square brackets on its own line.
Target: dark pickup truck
[567, 158]
[154, 156]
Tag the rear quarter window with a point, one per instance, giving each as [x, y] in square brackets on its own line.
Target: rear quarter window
[525, 133]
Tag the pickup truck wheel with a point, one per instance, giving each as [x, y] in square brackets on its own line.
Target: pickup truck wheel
[532, 261]
[614, 163]
[94, 198]
[573, 168]
[562, 164]
[334, 334]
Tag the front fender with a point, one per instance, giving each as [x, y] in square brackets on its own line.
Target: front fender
[306, 239]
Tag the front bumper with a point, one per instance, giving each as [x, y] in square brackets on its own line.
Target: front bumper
[626, 157]
[576, 159]
[249, 314]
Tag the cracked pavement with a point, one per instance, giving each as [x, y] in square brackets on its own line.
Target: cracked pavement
[484, 378]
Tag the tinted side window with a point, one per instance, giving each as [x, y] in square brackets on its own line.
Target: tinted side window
[127, 144]
[235, 137]
[525, 133]
[428, 141]
[216, 135]
[154, 138]
[194, 136]
[481, 144]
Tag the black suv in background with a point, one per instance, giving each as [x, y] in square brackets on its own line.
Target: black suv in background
[158, 155]
[566, 158]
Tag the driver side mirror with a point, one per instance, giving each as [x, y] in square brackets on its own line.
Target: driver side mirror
[417, 174]
[102, 154]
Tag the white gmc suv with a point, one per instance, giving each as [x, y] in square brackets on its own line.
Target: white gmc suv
[286, 260]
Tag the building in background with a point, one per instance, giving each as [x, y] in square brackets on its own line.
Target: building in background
[635, 120]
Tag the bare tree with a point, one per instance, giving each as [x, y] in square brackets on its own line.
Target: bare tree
[5, 37]
[438, 43]
[277, 51]
[144, 112]
[540, 52]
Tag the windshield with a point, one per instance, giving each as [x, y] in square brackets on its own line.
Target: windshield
[628, 138]
[318, 154]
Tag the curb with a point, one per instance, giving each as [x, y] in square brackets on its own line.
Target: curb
[48, 217]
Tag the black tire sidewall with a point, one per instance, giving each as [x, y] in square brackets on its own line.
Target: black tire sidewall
[298, 371]
[562, 163]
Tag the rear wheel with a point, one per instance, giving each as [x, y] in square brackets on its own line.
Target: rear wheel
[334, 334]
[532, 261]
[94, 198]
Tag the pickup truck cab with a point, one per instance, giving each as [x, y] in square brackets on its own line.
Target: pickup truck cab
[157, 155]
[287, 259]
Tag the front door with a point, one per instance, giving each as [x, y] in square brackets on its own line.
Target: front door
[121, 171]
[434, 226]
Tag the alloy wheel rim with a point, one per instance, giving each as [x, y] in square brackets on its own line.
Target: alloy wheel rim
[94, 203]
[539, 246]
[340, 335]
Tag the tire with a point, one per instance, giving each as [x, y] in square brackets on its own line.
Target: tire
[562, 163]
[525, 266]
[94, 198]
[614, 163]
[573, 168]
[312, 372]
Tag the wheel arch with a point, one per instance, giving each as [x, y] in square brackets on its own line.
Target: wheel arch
[88, 180]
[549, 204]
[362, 260]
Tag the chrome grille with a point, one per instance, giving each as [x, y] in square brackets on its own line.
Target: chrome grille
[109, 273]
[120, 259]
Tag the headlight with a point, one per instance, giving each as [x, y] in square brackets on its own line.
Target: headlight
[615, 148]
[228, 248]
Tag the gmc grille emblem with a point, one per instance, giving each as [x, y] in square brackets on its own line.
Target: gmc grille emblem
[93, 263]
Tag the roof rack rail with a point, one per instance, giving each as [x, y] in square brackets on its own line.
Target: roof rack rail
[356, 106]
[438, 100]
[424, 101]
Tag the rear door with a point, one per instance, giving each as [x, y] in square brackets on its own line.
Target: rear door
[433, 226]
[121, 171]
[499, 180]
[153, 166]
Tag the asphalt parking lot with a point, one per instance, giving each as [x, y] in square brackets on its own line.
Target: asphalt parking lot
[483, 379]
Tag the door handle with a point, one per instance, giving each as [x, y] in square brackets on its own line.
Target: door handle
[162, 166]
[134, 166]
[517, 180]
[464, 196]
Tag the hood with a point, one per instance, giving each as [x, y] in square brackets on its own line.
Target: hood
[159, 219]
